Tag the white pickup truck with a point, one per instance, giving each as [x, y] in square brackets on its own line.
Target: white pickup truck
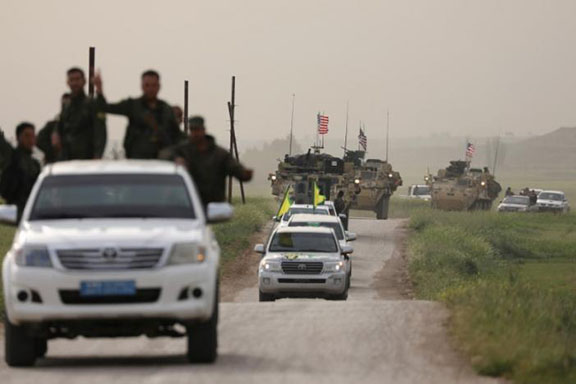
[112, 249]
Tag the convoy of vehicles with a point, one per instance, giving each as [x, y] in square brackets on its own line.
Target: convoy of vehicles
[367, 184]
[113, 249]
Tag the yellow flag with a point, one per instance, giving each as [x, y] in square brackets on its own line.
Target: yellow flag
[318, 198]
[286, 203]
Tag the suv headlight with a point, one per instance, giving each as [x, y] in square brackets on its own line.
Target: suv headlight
[334, 267]
[33, 256]
[187, 253]
[270, 266]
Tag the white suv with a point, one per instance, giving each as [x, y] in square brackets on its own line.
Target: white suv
[112, 249]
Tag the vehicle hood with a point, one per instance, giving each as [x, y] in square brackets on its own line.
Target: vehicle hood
[94, 232]
[510, 205]
[304, 256]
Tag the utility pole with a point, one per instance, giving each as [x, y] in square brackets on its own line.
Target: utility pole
[186, 107]
[233, 142]
[91, 63]
[291, 125]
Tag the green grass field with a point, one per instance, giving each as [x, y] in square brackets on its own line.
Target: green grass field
[510, 282]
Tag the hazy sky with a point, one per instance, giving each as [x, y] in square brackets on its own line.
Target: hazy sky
[459, 66]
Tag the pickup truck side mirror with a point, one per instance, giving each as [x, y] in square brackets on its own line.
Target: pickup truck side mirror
[350, 236]
[219, 212]
[259, 248]
[9, 214]
[347, 250]
[277, 218]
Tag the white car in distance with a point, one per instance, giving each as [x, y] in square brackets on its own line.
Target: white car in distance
[303, 262]
[552, 201]
[113, 249]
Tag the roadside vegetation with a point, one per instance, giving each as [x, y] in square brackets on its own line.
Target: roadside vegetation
[234, 236]
[510, 281]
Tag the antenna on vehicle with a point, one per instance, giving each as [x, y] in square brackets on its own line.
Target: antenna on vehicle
[346, 133]
[292, 124]
[496, 156]
[387, 134]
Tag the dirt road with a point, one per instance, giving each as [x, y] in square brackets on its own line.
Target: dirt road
[374, 337]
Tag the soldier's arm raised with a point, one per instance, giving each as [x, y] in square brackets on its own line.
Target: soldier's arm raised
[120, 108]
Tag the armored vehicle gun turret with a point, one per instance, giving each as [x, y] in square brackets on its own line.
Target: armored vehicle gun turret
[459, 188]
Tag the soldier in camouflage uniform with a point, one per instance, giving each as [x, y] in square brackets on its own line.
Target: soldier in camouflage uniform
[22, 170]
[82, 126]
[207, 163]
[152, 125]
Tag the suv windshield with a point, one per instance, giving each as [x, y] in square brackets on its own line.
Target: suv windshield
[523, 200]
[335, 226]
[112, 196]
[551, 196]
[303, 242]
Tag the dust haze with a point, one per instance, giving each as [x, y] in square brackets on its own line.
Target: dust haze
[446, 70]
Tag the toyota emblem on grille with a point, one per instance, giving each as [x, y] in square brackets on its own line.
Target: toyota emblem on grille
[301, 267]
[109, 253]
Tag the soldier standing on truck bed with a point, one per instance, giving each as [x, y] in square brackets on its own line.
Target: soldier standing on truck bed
[207, 163]
[48, 140]
[152, 125]
[81, 133]
[21, 170]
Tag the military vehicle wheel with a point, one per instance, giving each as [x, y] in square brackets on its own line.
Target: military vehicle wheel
[20, 347]
[382, 208]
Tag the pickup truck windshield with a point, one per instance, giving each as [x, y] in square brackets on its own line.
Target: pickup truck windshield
[303, 242]
[112, 196]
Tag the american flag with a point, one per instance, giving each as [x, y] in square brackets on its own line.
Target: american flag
[470, 150]
[322, 124]
[362, 140]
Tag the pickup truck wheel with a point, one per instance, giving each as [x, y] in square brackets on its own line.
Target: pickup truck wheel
[203, 338]
[20, 347]
[265, 296]
[41, 347]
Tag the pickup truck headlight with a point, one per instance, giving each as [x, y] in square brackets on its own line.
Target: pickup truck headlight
[270, 266]
[187, 253]
[334, 267]
[33, 256]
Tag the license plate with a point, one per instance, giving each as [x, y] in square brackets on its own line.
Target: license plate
[108, 288]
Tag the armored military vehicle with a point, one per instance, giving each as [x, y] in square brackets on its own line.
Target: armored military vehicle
[369, 184]
[461, 188]
[301, 171]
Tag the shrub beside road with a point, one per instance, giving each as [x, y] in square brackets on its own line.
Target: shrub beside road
[510, 281]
